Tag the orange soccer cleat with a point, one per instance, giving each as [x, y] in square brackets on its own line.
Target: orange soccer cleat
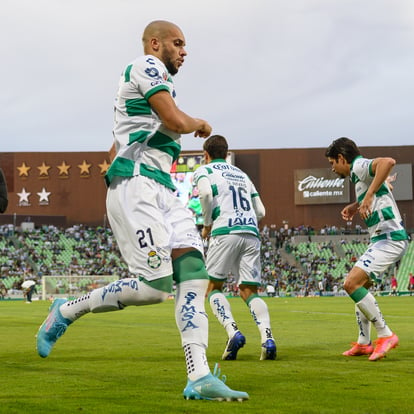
[359, 349]
[383, 345]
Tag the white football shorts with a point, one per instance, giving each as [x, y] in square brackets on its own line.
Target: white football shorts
[236, 254]
[380, 256]
[148, 222]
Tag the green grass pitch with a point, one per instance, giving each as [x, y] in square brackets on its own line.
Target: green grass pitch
[132, 362]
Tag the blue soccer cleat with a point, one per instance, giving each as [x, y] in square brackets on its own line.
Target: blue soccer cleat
[211, 387]
[52, 329]
[233, 346]
[269, 350]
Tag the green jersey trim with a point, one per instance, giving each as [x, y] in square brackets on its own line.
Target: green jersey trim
[354, 177]
[155, 90]
[157, 175]
[201, 176]
[236, 229]
[370, 170]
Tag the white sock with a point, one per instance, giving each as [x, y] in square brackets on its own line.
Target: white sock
[260, 313]
[115, 296]
[220, 306]
[192, 322]
[364, 326]
[369, 307]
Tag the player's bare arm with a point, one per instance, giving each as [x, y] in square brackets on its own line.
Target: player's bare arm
[381, 167]
[175, 119]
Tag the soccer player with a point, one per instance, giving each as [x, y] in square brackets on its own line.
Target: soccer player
[231, 211]
[388, 240]
[155, 232]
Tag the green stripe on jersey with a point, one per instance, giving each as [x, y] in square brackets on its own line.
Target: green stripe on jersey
[135, 107]
[214, 189]
[387, 213]
[215, 213]
[120, 167]
[373, 219]
[396, 235]
[166, 144]
[381, 191]
[138, 136]
[127, 74]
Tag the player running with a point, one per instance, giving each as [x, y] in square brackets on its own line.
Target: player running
[388, 240]
[155, 232]
[232, 209]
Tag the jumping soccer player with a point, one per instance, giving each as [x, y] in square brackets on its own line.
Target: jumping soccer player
[155, 232]
[388, 240]
[232, 209]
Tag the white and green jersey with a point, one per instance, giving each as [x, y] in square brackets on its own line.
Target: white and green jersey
[232, 190]
[143, 144]
[385, 221]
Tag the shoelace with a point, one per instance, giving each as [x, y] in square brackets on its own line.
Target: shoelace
[217, 373]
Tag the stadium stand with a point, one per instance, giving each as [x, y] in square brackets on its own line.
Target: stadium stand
[292, 261]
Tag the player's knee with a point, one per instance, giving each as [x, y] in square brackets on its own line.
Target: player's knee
[248, 292]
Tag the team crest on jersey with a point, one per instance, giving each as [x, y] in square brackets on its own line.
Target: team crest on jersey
[154, 261]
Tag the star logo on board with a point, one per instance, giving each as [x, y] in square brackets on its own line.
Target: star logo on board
[44, 170]
[24, 198]
[23, 170]
[84, 168]
[44, 197]
[63, 169]
[104, 167]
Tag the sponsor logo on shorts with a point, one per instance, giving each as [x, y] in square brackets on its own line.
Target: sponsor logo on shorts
[154, 261]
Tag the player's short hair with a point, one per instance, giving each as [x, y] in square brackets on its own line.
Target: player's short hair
[344, 146]
[216, 146]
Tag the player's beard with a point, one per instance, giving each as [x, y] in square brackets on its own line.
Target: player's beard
[172, 69]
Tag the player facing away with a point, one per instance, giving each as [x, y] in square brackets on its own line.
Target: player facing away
[231, 211]
[154, 231]
[388, 240]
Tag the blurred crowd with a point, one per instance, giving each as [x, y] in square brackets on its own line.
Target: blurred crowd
[287, 268]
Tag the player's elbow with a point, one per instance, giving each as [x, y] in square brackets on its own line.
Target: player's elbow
[174, 125]
[388, 162]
